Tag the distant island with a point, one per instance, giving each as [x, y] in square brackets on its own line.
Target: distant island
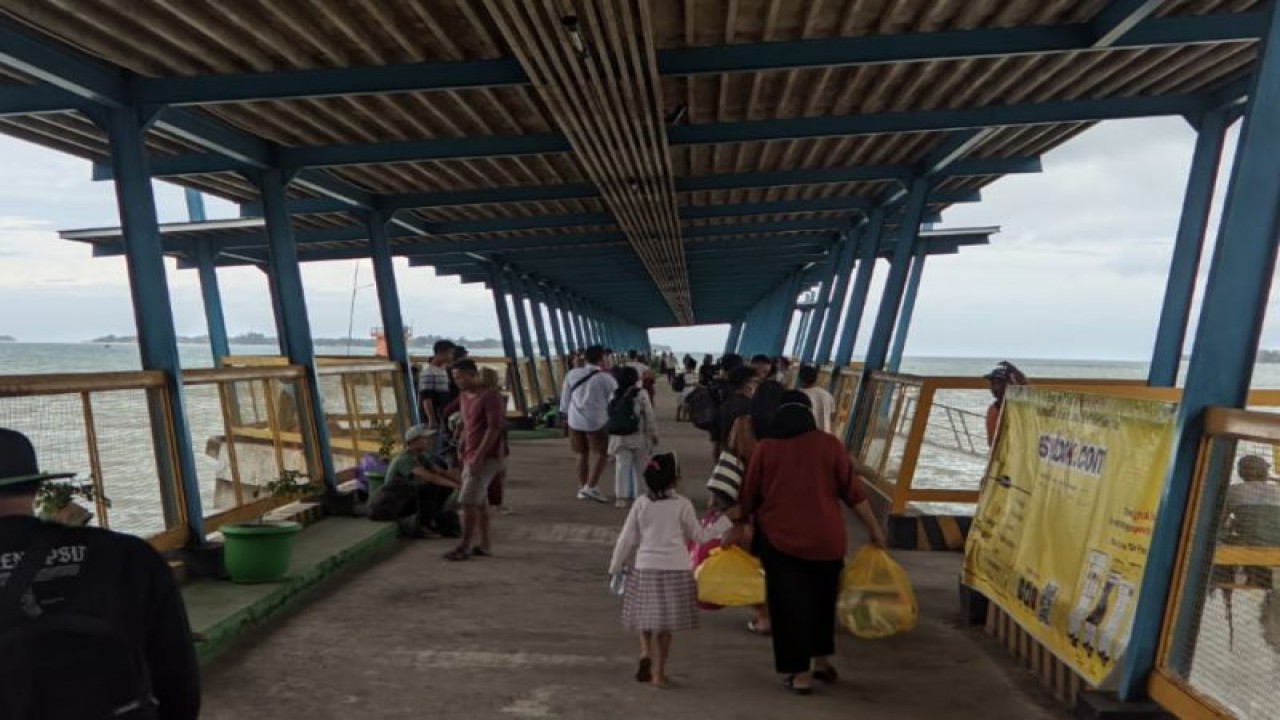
[254, 338]
[1269, 356]
[8, 338]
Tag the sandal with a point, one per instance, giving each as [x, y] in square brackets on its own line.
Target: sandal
[755, 629]
[789, 682]
[644, 671]
[457, 555]
[481, 553]
[828, 676]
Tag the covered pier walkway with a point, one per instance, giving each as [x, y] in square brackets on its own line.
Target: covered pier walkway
[534, 633]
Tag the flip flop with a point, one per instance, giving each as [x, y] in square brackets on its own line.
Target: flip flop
[457, 555]
[789, 682]
[828, 676]
[644, 671]
[481, 553]
[757, 630]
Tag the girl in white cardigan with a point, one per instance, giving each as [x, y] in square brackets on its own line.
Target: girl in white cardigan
[659, 595]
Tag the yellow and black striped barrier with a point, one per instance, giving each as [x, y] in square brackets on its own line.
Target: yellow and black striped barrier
[928, 532]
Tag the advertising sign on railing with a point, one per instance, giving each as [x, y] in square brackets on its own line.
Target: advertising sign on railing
[1063, 526]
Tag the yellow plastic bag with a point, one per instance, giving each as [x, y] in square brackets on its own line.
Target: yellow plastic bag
[876, 599]
[731, 577]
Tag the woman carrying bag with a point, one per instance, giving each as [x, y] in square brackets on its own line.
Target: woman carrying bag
[795, 483]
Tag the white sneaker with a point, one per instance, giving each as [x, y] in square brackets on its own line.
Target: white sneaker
[591, 493]
[621, 503]
[582, 493]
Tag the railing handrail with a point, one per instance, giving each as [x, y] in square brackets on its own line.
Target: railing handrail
[209, 376]
[1249, 425]
[357, 367]
[76, 383]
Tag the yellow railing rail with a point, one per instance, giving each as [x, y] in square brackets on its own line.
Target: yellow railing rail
[1222, 623]
[100, 426]
[938, 423]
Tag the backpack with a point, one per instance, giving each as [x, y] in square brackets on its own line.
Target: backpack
[623, 419]
[65, 665]
[703, 407]
[678, 383]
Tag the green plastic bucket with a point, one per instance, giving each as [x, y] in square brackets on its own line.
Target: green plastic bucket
[254, 553]
[375, 481]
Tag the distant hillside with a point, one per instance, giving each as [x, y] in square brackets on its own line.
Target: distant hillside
[1269, 356]
[425, 341]
[8, 338]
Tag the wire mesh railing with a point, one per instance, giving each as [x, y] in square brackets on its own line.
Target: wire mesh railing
[115, 432]
[1220, 651]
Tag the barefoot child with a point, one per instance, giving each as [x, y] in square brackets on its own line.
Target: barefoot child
[660, 596]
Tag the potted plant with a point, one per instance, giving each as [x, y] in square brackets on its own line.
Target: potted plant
[373, 466]
[260, 551]
[56, 502]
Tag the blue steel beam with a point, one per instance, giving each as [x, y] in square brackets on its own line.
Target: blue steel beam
[1058, 111]
[512, 281]
[498, 289]
[735, 333]
[830, 269]
[848, 255]
[547, 299]
[539, 324]
[1222, 363]
[35, 100]
[290, 302]
[384, 276]
[948, 45]
[1118, 18]
[906, 312]
[891, 297]
[215, 320]
[153, 318]
[317, 83]
[1184, 265]
[867, 251]
[94, 80]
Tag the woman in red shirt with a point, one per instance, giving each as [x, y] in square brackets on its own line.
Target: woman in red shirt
[795, 484]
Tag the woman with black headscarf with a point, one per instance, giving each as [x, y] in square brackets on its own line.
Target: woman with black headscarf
[795, 482]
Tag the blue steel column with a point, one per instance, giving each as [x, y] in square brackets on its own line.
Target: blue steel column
[206, 261]
[153, 313]
[578, 322]
[735, 332]
[844, 274]
[1185, 263]
[894, 287]
[1227, 336]
[868, 248]
[791, 293]
[908, 309]
[291, 303]
[820, 308]
[572, 331]
[384, 277]
[806, 315]
[522, 326]
[497, 287]
[548, 301]
[540, 331]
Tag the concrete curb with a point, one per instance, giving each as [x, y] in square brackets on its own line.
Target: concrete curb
[301, 583]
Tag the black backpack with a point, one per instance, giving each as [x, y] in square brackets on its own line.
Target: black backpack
[55, 666]
[677, 383]
[623, 419]
[703, 405]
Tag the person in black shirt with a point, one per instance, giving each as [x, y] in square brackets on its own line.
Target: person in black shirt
[743, 382]
[85, 589]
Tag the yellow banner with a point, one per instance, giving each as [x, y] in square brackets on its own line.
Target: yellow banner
[1063, 525]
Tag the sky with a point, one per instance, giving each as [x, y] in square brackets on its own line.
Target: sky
[1077, 271]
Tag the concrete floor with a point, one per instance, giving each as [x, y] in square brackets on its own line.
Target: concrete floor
[534, 633]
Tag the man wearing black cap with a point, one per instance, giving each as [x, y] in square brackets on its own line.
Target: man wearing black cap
[91, 621]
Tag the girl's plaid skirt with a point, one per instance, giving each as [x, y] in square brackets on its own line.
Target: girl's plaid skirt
[660, 601]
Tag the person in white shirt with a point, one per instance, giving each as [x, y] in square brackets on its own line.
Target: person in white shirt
[1252, 518]
[631, 450]
[659, 595]
[585, 400]
[824, 404]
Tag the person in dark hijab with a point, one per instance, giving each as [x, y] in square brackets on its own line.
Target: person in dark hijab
[795, 482]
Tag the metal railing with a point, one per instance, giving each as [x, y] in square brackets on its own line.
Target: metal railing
[246, 420]
[926, 437]
[1220, 647]
[103, 427]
